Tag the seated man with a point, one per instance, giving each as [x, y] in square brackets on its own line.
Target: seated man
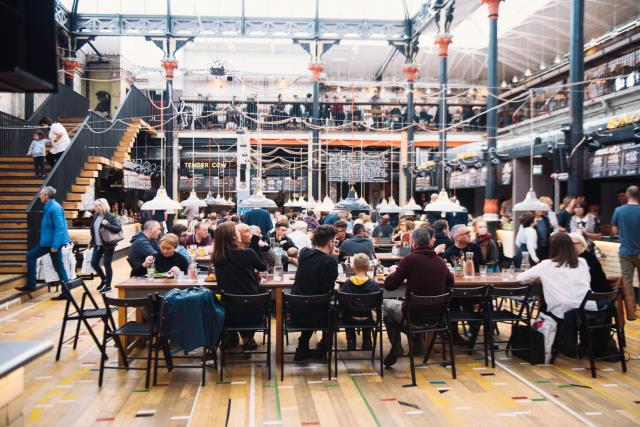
[443, 234]
[357, 244]
[168, 260]
[420, 264]
[200, 236]
[461, 245]
[144, 247]
[282, 241]
[341, 232]
[317, 273]
[383, 229]
[180, 230]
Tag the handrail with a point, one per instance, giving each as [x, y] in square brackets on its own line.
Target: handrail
[15, 135]
[64, 103]
[96, 136]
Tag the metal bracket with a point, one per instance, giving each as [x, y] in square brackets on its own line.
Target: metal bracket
[163, 43]
[316, 47]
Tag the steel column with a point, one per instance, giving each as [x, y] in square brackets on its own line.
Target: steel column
[576, 100]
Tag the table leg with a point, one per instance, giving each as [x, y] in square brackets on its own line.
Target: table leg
[122, 319]
[279, 334]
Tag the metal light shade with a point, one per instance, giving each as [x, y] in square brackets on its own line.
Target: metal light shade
[288, 203]
[443, 204]
[530, 203]
[230, 202]
[193, 200]
[161, 202]
[258, 200]
[311, 203]
[210, 200]
[352, 203]
[411, 205]
[301, 203]
[391, 207]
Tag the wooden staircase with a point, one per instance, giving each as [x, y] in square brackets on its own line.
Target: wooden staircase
[71, 124]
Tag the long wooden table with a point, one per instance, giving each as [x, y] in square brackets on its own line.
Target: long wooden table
[141, 287]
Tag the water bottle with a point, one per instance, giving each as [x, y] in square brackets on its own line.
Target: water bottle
[468, 268]
[192, 271]
[525, 264]
[151, 270]
[278, 271]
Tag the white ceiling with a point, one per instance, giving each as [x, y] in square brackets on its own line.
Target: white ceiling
[530, 32]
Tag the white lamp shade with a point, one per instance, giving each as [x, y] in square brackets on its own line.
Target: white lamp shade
[382, 204]
[288, 203]
[530, 203]
[411, 205]
[391, 207]
[311, 203]
[443, 204]
[210, 200]
[193, 200]
[161, 202]
[327, 205]
[230, 202]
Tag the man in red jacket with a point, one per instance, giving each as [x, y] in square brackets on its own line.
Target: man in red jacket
[425, 273]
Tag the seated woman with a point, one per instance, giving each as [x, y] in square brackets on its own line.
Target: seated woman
[168, 260]
[599, 282]
[236, 272]
[483, 239]
[565, 277]
[404, 231]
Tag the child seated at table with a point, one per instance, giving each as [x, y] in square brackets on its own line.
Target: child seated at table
[360, 283]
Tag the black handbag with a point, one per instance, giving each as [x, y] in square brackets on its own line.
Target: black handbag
[520, 343]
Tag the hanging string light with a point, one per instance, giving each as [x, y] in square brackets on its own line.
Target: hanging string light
[193, 200]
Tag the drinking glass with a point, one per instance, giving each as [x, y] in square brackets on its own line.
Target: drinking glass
[483, 271]
[278, 273]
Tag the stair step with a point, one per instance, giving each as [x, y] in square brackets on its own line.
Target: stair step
[15, 256]
[10, 281]
[25, 173]
[4, 181]
[12, 235]
[17, 165]
[26, 189]
[26, 197]
[16, 159]
[13, 245]
[87, 174]
[71, 214]
[73, 197]
[85, 181]
[13, 267]
[71, 205]
[11, 206]
[13, 215]
[74, 188]
[12, 224]
[92, 166]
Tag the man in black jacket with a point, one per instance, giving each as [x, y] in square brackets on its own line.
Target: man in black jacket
[144, 247]
[317, 273]
[358, 244]
[461, 245]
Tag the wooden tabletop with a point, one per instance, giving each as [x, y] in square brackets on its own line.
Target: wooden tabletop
[388, 257]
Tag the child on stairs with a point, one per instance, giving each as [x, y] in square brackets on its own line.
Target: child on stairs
[37, 151]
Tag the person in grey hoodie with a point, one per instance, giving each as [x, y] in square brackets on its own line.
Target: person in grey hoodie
[144, 247]
[358, 244]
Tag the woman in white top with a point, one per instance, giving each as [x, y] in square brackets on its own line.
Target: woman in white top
[526, 240]
[58, 137]
[565, 277]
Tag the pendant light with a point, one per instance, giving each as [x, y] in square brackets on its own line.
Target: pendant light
[391, 207]
[411, 205]
[531, 201]
[162, 201]
[193, 200]
[504, 84]
[258, 200]
[557, 59]
[352, 202]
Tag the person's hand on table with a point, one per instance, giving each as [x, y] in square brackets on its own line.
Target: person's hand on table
[148, 261]
[174, 270]
[440, 248]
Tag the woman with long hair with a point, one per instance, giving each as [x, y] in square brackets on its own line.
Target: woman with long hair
[599, 282]
[236, 273]
[526, 239]
[103, 219]
[483, 239]
[404, 232]
[565, 277]
[585, 223]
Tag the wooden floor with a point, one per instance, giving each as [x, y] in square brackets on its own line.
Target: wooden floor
[66, 393]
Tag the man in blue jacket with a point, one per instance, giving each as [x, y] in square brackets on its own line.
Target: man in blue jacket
[53, 236]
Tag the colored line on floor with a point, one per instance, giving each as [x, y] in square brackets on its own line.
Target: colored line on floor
[366, 402]
[275, 386]
[105, 419]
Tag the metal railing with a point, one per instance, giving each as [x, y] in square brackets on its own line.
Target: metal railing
[96, 136]
[64, 103]
[14, 136]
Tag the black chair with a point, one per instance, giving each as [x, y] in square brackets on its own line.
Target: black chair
[428, 314]
[146, 330]
[518, 315]
[355, 311]
[82, 313]
[467, 306]
[601, 320]
[298, 316]
[247, 313]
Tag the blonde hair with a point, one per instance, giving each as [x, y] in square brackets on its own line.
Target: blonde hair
[170, 238]
[103, 205]
[546, 200]
[475, 223]
[409, 224]
[361, 263]
[579, 238]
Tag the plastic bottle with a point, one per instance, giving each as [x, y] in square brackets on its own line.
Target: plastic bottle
[192, 271]
[278, 271]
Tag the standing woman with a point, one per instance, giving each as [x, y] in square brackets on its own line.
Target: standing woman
[103, 218]
[483, 239]
[585, 223]
[58, 137]
[236, 272]
[526, 240]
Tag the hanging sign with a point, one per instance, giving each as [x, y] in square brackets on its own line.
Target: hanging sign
[614, 161]
[135, 181]
[357, 167]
